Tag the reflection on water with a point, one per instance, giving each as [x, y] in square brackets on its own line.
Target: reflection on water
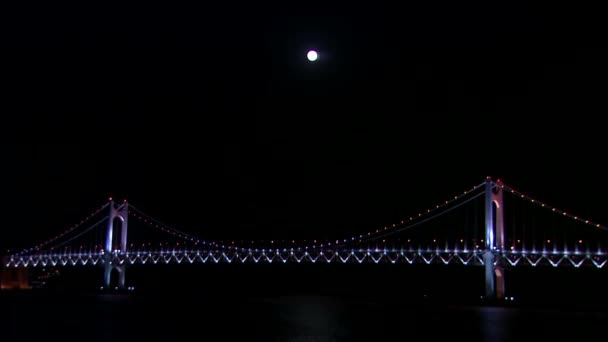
[312, 316]
[29, 316]
[493, 323]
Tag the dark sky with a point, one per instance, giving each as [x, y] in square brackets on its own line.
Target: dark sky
[211, 118]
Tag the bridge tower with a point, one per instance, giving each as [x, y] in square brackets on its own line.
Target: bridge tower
[120, 212]
[495, 240]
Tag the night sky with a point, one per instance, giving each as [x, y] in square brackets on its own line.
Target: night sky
[211, 119]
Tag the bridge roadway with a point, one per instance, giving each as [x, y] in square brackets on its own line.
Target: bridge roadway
[511, 258]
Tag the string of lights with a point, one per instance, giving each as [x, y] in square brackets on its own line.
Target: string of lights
[597, 259]
[154, 223]
[63, 243]
[67, 231]
[425, 219]
[378, 233]
[416, 220]
[557, 211]
[409, 222]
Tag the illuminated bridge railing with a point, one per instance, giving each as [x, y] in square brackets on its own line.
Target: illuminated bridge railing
[510, 258]
[574, 259]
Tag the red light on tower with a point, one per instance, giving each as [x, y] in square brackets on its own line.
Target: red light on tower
[109, 198]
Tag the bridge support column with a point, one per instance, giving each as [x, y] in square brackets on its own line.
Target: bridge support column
[107, 272]
[122, 213]
[495, 240]
[122, 274]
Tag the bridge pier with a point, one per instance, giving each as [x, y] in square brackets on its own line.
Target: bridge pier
[107, 274]
[495, 240]
[122, 213]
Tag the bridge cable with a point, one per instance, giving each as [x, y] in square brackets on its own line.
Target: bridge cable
[72, 238]
[176, 232]
[65, 232]
[414, 224]
[81, 233]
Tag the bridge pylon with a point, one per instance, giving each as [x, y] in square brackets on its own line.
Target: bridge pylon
[120, 212]
[495, 240]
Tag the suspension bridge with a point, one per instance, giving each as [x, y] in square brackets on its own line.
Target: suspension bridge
[490, 225]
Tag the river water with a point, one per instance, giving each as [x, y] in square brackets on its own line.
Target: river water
[346, 306]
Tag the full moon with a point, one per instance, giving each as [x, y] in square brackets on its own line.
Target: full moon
[312, 55]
